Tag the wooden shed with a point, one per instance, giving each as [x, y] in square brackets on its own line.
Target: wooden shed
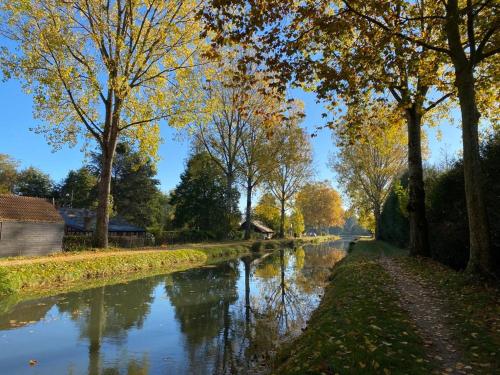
[258, 227]
[29, 226]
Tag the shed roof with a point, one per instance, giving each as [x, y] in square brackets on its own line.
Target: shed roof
[258, 226]
[76, 218]
[27, 209]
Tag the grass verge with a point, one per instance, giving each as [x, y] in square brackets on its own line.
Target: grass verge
[58, 273]
[67, 271]
[358, 328]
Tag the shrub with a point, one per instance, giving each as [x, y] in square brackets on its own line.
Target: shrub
[394, 226]
[80, 243]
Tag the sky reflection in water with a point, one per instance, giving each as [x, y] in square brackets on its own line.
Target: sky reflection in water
[219, 319]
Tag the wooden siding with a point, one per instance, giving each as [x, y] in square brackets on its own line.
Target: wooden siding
[28, 238]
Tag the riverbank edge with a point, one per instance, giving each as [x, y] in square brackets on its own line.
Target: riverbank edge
[358, 326]
[360, 301]
[61, 273]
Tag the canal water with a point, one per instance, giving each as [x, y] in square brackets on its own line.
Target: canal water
[226, 318]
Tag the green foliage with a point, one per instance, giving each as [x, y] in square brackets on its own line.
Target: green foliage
[34, 183]
[449, 231]
[201, 199]
[56, 272]
[79, 189]
[8, 173]
[82, 243]
[134, 188]
[359, 327]
[446, 209]
[187, 235]
[267, 211]
[296, 222]
[394, 226]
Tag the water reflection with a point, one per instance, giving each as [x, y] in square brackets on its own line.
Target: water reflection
[222, 319]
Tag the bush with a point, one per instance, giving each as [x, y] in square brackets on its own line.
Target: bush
[188, 236]
[80, 243]
[394, 226]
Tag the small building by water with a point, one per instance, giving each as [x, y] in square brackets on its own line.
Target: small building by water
[29, 226]
[258, 227]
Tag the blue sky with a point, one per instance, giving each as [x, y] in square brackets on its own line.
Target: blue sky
[31, 149]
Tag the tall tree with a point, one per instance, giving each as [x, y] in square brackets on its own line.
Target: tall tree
[330, 48]
[257, 155]
[470, 43]
[104, 71]
[8, 173]
[220, 133]
[320, 205]
[293, 166]
[200, 199]
[79, 189]
[33, 182]
[368, 168]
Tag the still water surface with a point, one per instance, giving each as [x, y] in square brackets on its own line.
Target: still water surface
[225, 318]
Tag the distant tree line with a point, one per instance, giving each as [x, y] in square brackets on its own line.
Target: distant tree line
[135, 193]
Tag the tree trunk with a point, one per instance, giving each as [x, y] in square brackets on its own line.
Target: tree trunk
[248, 213]
[282, 219]
[377, 215]
[104, 190]
[108, 148]
[480, 259]
[229, 190]
[419, 232]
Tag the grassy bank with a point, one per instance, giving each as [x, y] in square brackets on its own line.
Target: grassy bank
[358, 328]
[67, 271]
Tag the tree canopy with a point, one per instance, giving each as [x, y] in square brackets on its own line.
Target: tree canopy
[200, 199]
[34, 183]
[320, 205]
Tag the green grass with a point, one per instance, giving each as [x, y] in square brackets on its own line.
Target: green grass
[358, 328]
[57, 272]
[473, 312]
[61, 272]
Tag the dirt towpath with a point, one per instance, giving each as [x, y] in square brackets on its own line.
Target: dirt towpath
[428, 313]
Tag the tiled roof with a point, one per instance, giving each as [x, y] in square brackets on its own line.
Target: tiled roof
[82, 219]
[20, 208]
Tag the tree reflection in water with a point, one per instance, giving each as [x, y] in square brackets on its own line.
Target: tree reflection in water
[202, 299]
[229, 317]
[109, 312]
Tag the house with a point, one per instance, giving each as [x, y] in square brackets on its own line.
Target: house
[258, 227]
[81, 221]
[29, 226]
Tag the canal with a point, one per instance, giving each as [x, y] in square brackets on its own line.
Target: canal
[225, 318]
